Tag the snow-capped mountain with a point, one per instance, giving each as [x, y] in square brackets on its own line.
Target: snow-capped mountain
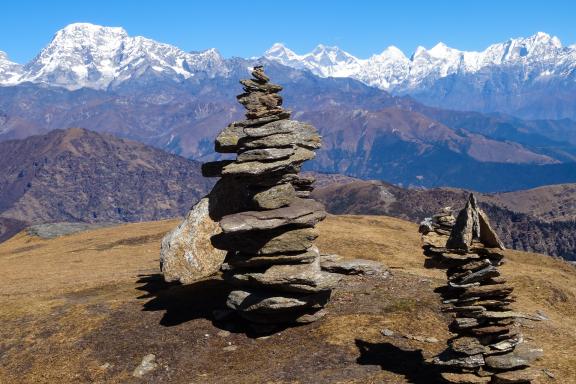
[92, 56]
[9, 71]
[533, 77]
[539, 55]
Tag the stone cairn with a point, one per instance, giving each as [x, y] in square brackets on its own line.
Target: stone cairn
[487, 346]
[268, 225]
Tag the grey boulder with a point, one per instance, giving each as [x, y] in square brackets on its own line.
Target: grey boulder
[186, 253]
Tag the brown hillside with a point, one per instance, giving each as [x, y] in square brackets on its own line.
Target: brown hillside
[86, 308]
[539, 220]
[76, 175]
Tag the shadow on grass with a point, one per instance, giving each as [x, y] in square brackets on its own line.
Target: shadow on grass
[199, 300]
[182, 303]
[409, 363]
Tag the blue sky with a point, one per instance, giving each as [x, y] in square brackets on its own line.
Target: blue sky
[248, 28]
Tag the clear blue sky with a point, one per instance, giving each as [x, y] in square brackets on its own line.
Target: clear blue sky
[247, 28]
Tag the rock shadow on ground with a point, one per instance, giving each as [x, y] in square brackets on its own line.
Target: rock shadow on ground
[182, 303]
[205, 299]
[409, 363]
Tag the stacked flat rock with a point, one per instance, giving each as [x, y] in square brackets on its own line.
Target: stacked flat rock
[268, 225]
[440, 223]
[487, 346]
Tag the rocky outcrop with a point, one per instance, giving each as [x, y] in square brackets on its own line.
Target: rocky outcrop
[266, 217]
[488, 346]
[186, 253]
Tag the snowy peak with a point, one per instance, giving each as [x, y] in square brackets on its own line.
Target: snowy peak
[323, 60]
[93, 56]
[280, 51]
[392, 70]
[9, 71]
[390, 53]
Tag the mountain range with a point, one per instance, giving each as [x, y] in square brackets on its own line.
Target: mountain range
[102, 79]
[531, 77]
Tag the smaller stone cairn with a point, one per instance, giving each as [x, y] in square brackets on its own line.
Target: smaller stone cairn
[487, 346]
[267, 218]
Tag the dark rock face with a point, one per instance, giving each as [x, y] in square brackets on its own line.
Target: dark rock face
[486, 343]
[267, 221]
[77, 175]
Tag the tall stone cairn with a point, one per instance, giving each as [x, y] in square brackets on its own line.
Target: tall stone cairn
[487, 346]
[265, 213]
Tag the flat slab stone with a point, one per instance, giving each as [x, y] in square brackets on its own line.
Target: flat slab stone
[301, 212]
[306, 137]
[255, 168]
[276, 196]
[279, 127]
[267, 242]
[490, 330]
[464, 378]
[262, 120]
[522, 356]
[453, 360]
[474, 265]
[481, 275]
[460, 323]
[504, 315]
[354, 267]
[288, 278]
[272, 302]
[265, 154]
[251, 85]
[495, 290]
[521, 376]
[467, 346]
[245, 261]
[449, 256]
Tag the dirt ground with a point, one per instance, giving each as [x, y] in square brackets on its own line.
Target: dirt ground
[86, 308]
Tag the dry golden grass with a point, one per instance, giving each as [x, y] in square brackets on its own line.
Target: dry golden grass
[73, 311]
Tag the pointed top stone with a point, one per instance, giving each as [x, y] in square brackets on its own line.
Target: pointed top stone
[472, 224]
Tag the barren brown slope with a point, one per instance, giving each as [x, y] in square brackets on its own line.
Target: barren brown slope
[76, 175]
[87, 307]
